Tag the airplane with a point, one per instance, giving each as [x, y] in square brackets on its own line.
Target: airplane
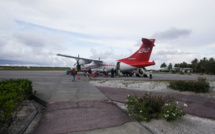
[137, 61]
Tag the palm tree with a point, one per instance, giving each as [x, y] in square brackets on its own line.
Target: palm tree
[170, 66]
[194, 64]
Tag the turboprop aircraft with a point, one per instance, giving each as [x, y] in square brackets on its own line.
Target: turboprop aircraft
[138, 61]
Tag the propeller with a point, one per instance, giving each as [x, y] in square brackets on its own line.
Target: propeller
[78, 65]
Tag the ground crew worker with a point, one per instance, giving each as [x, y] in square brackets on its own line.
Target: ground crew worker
[150, 74]
[67, 71]
[118, 72]
[76, 70]
[141, 71]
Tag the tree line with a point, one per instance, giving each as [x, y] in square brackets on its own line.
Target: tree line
[199, 66]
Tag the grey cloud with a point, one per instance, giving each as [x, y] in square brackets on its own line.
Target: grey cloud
[41, 60]
[104, 55]
[2, 42]
[30, 39]
[172, 33]
[139, 42]
[29, 48]
[171, 52]
[38, 42]
[109, 55]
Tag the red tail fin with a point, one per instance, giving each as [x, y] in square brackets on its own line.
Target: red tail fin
[143, 53]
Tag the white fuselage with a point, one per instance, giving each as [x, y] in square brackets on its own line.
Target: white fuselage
[106, 66]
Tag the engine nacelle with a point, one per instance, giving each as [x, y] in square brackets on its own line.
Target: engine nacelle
[81, 62]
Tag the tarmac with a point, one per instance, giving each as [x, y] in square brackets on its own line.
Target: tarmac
[82, 108]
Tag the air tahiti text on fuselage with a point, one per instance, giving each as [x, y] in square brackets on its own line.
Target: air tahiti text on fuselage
[131, 58]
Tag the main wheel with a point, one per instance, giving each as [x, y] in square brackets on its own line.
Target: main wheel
[137, 75]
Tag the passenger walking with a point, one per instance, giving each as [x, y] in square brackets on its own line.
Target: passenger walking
[112, 73]
[89, 73]
[151, 74]
[104, 72]
[73, 74]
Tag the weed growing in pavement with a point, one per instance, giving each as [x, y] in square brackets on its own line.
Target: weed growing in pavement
[170, 111]
[12, 93]
[150, 107]
[101, 82]
[125, 84]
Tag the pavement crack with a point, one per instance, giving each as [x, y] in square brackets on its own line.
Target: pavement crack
[147, 128]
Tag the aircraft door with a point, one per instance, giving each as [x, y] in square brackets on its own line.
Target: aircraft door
[118, 66]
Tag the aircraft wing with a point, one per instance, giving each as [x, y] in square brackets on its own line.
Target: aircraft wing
[79, 58]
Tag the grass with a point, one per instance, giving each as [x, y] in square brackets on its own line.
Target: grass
[12, 93]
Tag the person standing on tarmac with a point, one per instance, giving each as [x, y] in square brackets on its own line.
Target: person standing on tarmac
[118, 73]
[76, 70]
[112, 73]
[150, 74]
[89, 73]
[73, 74]
[104, 72]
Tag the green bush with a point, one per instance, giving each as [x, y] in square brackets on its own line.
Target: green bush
[173, 72]
[12, 92]
[150, 107]
[197, 87]
[170, 111]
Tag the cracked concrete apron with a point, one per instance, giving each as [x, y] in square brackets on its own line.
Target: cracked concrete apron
[65, 117]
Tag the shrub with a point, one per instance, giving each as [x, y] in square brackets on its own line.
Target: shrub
[12, 92]
[150, 107]
[196, 87]
[170, 111]
[173, 72]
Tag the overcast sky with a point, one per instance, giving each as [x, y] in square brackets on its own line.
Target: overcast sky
[32, 32]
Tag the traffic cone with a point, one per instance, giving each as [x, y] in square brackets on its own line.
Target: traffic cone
[78, 76]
